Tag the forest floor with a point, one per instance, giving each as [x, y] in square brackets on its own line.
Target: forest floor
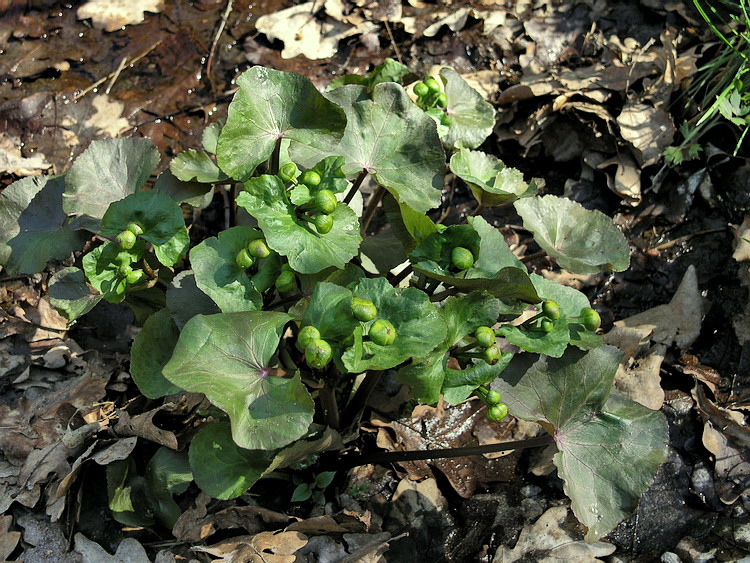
[589, 94]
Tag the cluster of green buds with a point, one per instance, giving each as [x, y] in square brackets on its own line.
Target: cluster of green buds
[462, 258]
[382, 332]
[318, 352]
[127, 238]
[255, 250]
[544, 320]
[132, 276]
[589, 318]
[324, 203]
[430, 95]
[496, 409]
[491, 352]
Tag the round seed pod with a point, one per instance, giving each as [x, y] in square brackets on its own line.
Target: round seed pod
[363, 309]
[497, 412]
[288, 172]
[382, 332]
[244, 259]
[323, 223]
[485, 336]
[591, 319]
[310, 178]
[135, 277]
[326, 201]
[421, 89]
[286, 282]
[306, 334]
[462, 258]
[126, 240]
[258, 248]
[318, 353]
[492, 354]
[551, 309]
[493, 397]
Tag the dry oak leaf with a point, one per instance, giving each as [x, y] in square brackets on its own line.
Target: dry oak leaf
[111, 15]
[265, 547]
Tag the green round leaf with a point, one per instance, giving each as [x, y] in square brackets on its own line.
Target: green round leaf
[218, 275]
[490, 181]
[152, 349]
[271, 105]
[167, 473]
[186, 300]
[221, 468]
[308, 251]
[106, 172]
[34, 228]
[471, 117]
[227, 357]
[419, 326]
[196, 165]
[582, 241]
[610, 447]
[196, 194]
[394, 141]
[160, 218]
[70, 294]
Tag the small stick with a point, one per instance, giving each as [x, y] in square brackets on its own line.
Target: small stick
[117, 74]
[372, 207]
[671, 243]
[355, 186]
[357, 404]
[533, 256]
[212, 52]
[393, 42]
[402, 275]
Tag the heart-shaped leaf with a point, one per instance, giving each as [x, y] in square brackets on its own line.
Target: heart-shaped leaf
[159, 217]
[167, 474]
[307, 250]
[221, 468]
[419, 327]
[490, 181]
[462, 316]
[218, 275]
[186, 300]
[70, 294]
[582, 241]
[152, 349]
[471, 117]
[495, 269]
[269, 106]
[227, 357]
[459, 384]
[610, 447]
[33, 226]
[392, 139]
[536, 341]
[106, 172]
[102, 268]
[196, 194]
[196, 165]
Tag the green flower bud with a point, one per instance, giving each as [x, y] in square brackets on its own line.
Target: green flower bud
[310, 178]
[134, 228]
[135, 277]
[591, 319]
[286, 282]
[442, 100]
[462, 258]
[493, 397]
[124, 270]
[492, 354]
[363, 309]
[551, 309]
[485, 336]
[323, 223]
[288, 172]
[318, 353]
[126, 240]
[497, 412]
[258, 248]
[432, 85]
[306, 334]
[421, 89]
[326, 201]
[244, 259]
[382, 332]
[547, 326]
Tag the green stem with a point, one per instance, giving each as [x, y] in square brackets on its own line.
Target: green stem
[466, 348]
[402, 275]
[359, 400]
[355, 186]
[372, 207]
[330, 406]
[444, 294]
[275, 156]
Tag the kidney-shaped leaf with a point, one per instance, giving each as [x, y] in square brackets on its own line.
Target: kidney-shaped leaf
[33, 226]
[218, 275]
[610, 447]
[269, 106]
[471, 117]
[152, 349]
[227, 357]
[394, 141]
[106, 172]
[159, 217]
[70, 294]
[196, 165]
[582, 241]
[307, 250]
[220, 467]
[419, 327]
[490, 181]
[185, 299]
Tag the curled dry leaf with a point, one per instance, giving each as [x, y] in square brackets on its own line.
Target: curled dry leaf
[546, 541]
[265, 547]
[8, 539]
[650, 130]
[637, 375]
[742, 240]
[678, 322]
[13, 162]
[130, 550]
[111, 15]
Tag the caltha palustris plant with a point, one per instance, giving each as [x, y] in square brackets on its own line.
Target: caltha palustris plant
[270, 318]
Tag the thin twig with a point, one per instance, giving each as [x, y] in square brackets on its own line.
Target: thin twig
[355, 186]
[671, 243]
[402, 275]
[533, 256]
[117, 74]
[330, 407]
[442, 453]
[372, 207]
[212, 52]
[393, 42]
